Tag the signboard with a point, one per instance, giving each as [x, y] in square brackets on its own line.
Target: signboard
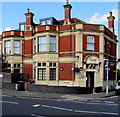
[92, 60]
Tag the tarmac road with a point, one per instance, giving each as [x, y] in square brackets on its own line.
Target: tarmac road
[44, 107]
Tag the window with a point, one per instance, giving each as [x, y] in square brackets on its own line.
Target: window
[39, 64]
[43, 64]
[7, 47]
[50, 64]
[90, 43]
[104, 45]
[42, 74]
[16, 70]
[42, 44]
[16, 47]
[46, 21]
[9, 65]
[43, 22]
[52, 44]
[15, 65]
[34, 45]
[18, 65]
[34, 74]
[52, 73]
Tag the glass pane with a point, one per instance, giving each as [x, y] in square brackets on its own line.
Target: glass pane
[48, 21]
[43, 22]
[16, 43]
[16, 50]
[42, 40]
[8, 50]
[90, 39]
[7, 43]
[90, 47]
[52, 47]
[52, 39]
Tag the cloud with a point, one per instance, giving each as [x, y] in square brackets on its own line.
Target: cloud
[7, 29]
[1, 32]
[96, 18]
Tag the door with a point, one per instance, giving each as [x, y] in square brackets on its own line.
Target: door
[90, 79]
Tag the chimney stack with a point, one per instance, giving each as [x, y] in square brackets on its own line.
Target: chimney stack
[67, 12]
[111, 19]
[29, 19]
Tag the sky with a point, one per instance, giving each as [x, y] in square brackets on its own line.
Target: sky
[12, 12]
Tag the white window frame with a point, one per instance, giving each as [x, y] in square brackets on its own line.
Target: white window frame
[90, 43]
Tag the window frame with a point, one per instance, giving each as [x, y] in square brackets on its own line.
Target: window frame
[16, 47]
[52, 44]
[41, 74]
[40, 44]
[7, 47]
[52, 74]
[90, 43]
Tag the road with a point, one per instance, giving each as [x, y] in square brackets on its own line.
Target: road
[36, 107]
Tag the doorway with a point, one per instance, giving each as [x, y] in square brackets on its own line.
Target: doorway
[90, 80]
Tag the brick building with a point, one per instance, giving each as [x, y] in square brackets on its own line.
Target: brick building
[68, 52]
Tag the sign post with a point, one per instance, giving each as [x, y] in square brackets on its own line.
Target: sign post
[107, 74]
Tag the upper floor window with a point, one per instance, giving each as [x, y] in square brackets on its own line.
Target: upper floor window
[52, 44]
[16, 47]
[90, 43]
[46, 21]
[7, 47]
[34, 45]
[42, 44]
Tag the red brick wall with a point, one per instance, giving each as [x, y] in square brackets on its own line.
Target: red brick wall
[17, 33]
[53, 28]
[29, 20]
[91, 27]
[8, 33]
[28, 47]
[27, 33]
[84, 42]
[65, 44]
[96, 44]
[66, 74]
[112, 72]
[41, 28]
[28, 69]
[66, 27]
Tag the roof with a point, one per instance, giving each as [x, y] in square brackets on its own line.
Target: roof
[73, 20]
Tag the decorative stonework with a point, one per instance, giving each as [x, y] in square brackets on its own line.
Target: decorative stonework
[92, 60]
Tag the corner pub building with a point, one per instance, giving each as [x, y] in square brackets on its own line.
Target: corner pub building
[68, 52]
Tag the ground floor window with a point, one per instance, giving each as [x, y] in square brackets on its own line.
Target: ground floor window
[52, 73]
[41, 73]
[16, 70]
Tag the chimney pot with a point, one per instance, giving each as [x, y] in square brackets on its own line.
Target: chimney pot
[110, 13]
[28, 10]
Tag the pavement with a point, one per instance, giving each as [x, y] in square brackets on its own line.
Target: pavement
[14, 93]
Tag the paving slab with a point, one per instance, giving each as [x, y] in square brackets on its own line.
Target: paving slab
[54, 95]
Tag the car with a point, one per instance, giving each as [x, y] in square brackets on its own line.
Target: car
[117, 88]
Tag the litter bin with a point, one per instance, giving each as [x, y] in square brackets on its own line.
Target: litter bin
[21, 85]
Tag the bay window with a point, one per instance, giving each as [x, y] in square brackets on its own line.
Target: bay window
[42, 44]
[16, 46]
[52, 44]
[7, 47]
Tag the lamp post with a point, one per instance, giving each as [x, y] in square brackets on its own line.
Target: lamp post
[107, 74]
[73, 56]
